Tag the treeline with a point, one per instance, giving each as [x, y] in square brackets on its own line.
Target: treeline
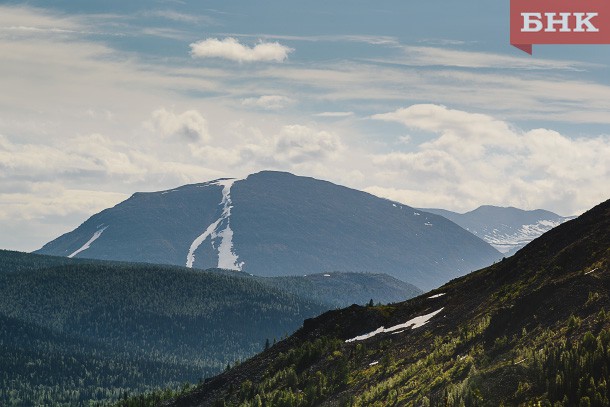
[11, 261]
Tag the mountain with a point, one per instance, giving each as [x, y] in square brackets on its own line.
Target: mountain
[506, 229]
[78, 330]
[275, 223]
[344, 289]
[532, 329]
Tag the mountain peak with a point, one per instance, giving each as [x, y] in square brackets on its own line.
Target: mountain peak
[507, 229]
[276, 223]
[503, 210]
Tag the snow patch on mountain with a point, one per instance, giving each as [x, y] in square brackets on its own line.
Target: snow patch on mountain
[508, 239]
[190, 257]
[221, 228]
[413, 323]
[84, 247]
[226, 256]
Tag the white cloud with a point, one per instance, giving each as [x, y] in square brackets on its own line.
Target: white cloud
[230, 48]
[461, 132]
[81, 157]
[180, 17]
[476, 159]
[44, 199]
[28, 21]
[442, 41]
[404, 139]
[268, 102]
[442, 56]
[518, 94]
[296, 143]
[39, 212]
[335, 114]
[292, 146]
[364, 39]
[171, 33]
[83, 162]
[189, 125]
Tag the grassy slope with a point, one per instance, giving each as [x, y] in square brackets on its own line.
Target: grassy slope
[529, 329]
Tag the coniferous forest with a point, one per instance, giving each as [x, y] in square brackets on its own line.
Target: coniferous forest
[80, 331]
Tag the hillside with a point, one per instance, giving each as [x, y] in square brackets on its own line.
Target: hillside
[74, 330]
[530, 329]
[506, 229]
[276, 223]
[344, 289]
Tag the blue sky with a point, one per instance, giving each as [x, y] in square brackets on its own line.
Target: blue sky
[422, 102]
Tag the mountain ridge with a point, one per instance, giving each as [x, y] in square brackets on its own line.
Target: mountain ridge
[272, 223]
[507, 229]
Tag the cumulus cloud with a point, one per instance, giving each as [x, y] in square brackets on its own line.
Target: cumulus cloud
[475, 158]
[189, 125]
[230, 48]
[268, 102]
[294, 145]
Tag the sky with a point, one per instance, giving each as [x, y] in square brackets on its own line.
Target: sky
[425, 103]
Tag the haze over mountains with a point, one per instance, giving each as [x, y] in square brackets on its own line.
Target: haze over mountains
[506, 229]
[275, 223]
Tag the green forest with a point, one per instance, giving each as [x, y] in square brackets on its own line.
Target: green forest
[76, 331]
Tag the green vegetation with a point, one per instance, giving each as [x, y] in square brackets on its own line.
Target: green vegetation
[77, 331]
[74, 331]
[344, 289]
[531, 330]
[546, 369]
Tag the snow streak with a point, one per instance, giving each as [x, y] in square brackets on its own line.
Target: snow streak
[413, 323]
[221, 228]
[84, 247]
[190, 257]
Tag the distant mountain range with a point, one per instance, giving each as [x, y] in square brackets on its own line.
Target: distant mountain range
[506, 229]
[78, 330]
[276, 223]
[531, 330]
